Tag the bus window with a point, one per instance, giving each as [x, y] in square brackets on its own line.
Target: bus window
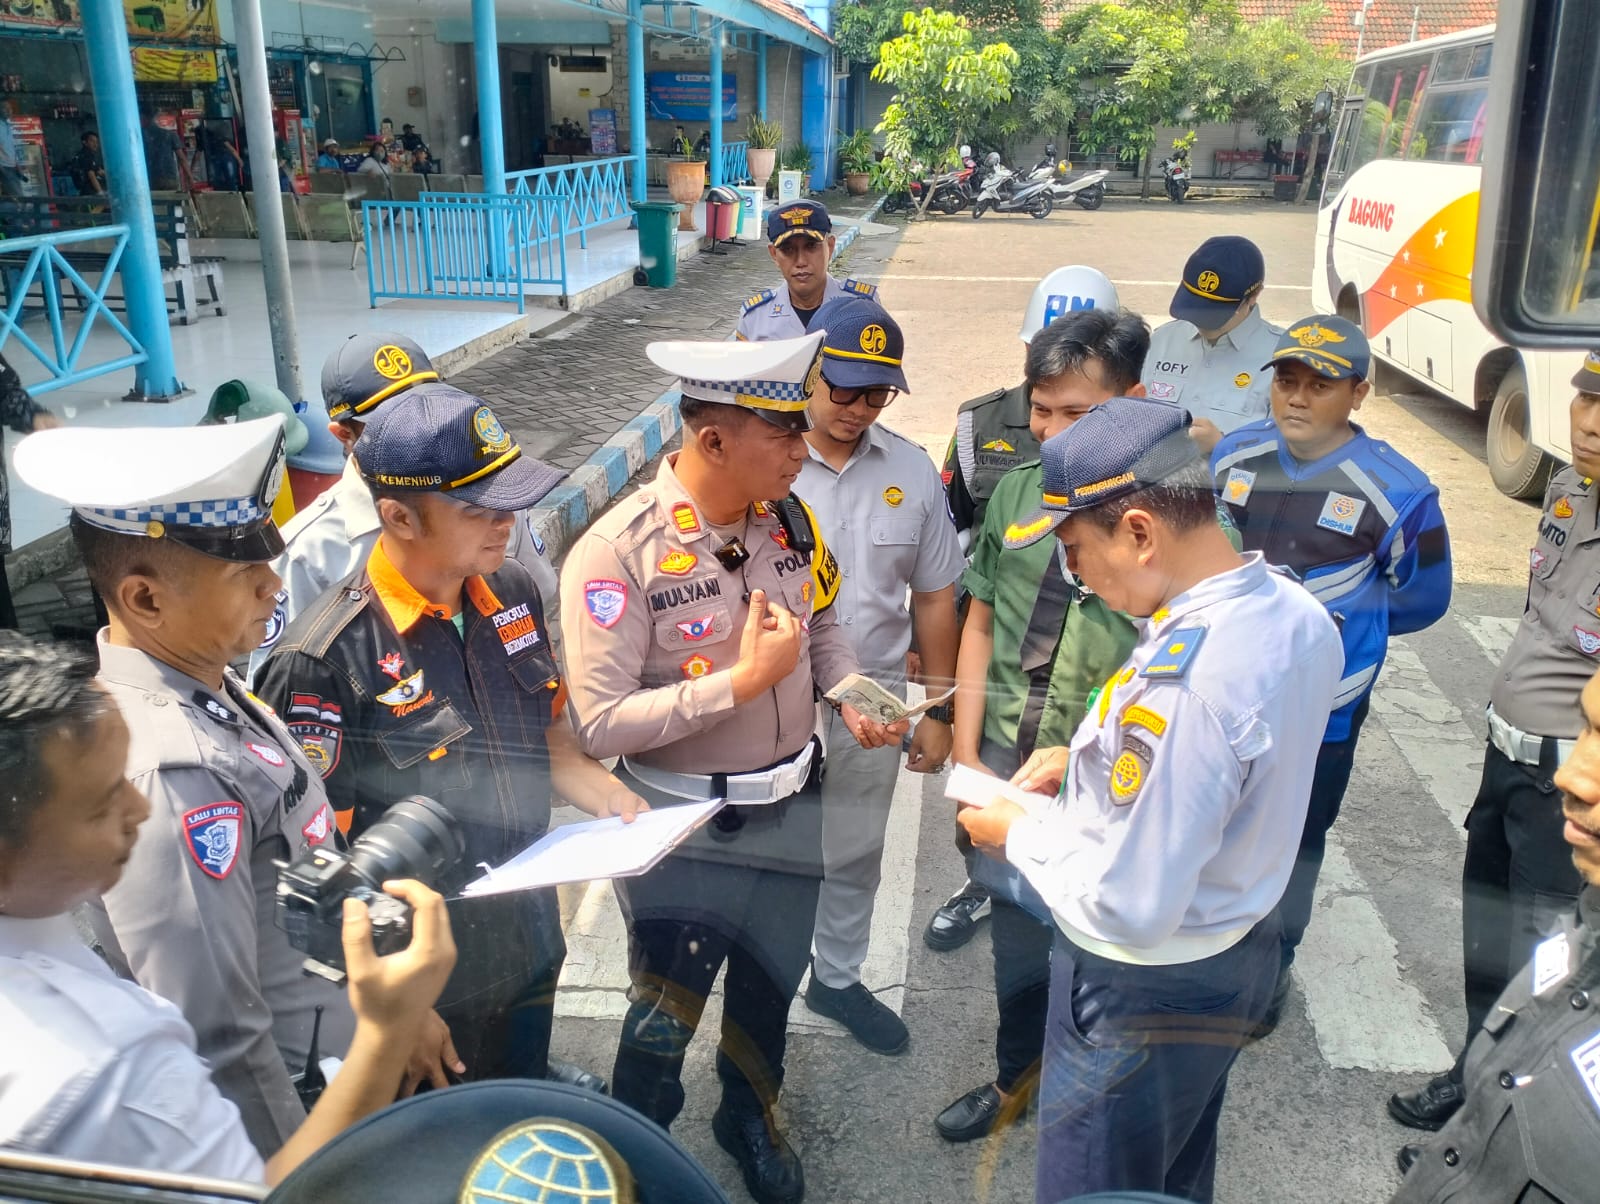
[1449, 127]
[1387, 111]
[1407, 96]
[1452, 65]
[1480, 61]
[1339, 158]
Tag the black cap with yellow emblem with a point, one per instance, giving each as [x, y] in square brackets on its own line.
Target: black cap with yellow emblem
[1330, 345]
[862, 345]
[798, 217]
[1221, 273]
[773, 380]
[368, 369]
[1587, 377]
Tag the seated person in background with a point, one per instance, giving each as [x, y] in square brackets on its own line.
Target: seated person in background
[376, 160]
[422, 162]
[94, 1067]
[328, 158]
[87, 170]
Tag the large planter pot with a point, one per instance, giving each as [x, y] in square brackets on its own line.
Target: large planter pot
[685, 182]
[761, 161]
[857, 182]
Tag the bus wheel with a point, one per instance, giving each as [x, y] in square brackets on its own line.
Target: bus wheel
[1516, 464]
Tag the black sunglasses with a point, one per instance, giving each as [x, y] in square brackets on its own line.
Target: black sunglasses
[877, 397]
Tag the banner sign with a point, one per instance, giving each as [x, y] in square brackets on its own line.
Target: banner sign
[686, 96]
[172, 21]
[603, 131]
[41, 14]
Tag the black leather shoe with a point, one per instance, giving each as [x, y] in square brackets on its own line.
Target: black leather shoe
[772, 1171]
[1429, 1106]
[576, 1076]
[868, 1018]
[1407, 1157]
[979, 1113]
[954, 923]
[1280, 996]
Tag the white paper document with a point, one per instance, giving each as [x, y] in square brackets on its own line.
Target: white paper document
[977, 789]
[599, 848]
[875, 702]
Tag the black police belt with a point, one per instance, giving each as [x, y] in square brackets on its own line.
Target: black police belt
[770, 785]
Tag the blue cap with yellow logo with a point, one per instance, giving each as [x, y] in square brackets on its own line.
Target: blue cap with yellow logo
[1587, 377]
[1121, 446]
[1333, 347]
[798, 217]
[1218, 277]
[862, 346]
[441, 440]
[368, 369]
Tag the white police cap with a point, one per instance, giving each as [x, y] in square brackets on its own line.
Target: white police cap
[773, 379]
[1061, 292]
[210, 488]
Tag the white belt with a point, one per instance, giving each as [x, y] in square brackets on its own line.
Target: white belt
[749, 789]
[1523, 747]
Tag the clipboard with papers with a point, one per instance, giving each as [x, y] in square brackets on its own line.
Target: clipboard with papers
[595, 849]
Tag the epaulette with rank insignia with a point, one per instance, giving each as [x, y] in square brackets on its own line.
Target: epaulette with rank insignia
[860, 287]
[1177, 650]
[758, 300]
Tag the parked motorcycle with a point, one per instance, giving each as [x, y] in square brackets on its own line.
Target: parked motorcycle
[1004, 192]
[1175, 171]
[952, 190]
[1087, 191]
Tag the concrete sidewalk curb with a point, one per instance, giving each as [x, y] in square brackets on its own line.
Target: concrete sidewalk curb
[568, 509]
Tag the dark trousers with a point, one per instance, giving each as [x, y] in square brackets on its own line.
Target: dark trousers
[688, 917]
[1136, 1063]
[1022, 992]
[1328, 783]
[1517, 882]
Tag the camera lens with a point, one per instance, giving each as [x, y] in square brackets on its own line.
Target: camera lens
[416, 838]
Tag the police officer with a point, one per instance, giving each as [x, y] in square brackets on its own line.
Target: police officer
[1532, 1116]
[700, 622]
[1208, 358]
[1163, 858]
[427, 671]
[994, 434]
[879, 496]
[333, 536]
[800, 241]
[175, 529]
[1517, 883]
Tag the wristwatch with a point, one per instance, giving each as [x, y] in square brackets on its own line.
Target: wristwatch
[944, 713]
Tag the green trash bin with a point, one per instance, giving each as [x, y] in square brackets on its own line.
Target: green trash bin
[658, 242]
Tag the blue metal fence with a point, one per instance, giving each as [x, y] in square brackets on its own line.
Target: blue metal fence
[44, 262]
[596, 192]
[735, 163]
[465, 247]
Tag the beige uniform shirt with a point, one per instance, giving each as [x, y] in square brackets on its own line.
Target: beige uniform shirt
[1223, 381]
[1556, 648]
[653, 624]
[192, 918]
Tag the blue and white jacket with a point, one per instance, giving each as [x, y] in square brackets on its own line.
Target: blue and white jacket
[1361, 527]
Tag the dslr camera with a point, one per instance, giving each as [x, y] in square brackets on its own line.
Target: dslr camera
[416, 838]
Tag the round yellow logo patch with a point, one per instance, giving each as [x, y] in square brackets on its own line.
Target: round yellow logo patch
[390, 362]
[1208, 282]
[874, 339]
[1127, 775]
[1562, 509]
[1241, 380]
[489, 432]
[894, 495]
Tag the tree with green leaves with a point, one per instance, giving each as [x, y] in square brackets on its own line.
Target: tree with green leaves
[945, 86]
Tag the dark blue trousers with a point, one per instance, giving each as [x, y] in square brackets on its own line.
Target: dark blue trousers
[1136, 1060]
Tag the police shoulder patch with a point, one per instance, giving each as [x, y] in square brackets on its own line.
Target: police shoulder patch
[1176, 652]
[861, 287]
[213, 834]
[1130, 770]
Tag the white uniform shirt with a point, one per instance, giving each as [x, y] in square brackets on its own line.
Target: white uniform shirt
[1224, 382]
[99, 1069]
[886, 520]
[1186, 791]
[770, 314]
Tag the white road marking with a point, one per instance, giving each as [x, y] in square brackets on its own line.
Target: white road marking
[1430, 732]
[1491, 633]
[1350, 975]
[1293, 288]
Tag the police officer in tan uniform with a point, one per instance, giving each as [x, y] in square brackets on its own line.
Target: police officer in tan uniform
[699, 627]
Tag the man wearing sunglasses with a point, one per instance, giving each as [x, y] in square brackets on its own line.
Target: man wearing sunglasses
[879, 497]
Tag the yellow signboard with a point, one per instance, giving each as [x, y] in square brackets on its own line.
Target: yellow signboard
[172, 21]
[153, 65]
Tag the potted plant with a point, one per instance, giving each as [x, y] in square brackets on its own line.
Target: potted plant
[686, 180]
[797, 157]
[856, 161]
[764, 138]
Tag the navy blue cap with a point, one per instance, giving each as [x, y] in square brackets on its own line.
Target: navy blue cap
[436, 439]
[798, 217]
[1216, 279]
[1121, 446]
[1333, 346]
[862, 346]
[367, 369]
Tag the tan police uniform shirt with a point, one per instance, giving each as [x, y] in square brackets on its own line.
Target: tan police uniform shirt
[1556, 648]
[654, 622]
[192, 918]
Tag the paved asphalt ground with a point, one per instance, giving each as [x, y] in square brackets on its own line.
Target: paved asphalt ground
[1377, 1003]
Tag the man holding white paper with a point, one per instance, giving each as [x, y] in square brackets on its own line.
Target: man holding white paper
[1185, 789]
[879, 497]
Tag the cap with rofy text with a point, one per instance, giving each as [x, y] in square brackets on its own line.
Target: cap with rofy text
[368, 369]
[1120, 447]
[772, 379]
[1217, 278]
[798, 217]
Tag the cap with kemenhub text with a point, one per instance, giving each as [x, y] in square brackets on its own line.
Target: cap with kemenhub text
[1121, 446]
[441, 440]
[367, 369]
[1217, 278]
[798, 217]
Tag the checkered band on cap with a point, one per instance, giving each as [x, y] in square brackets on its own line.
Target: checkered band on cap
[772, 390]
[221, 514]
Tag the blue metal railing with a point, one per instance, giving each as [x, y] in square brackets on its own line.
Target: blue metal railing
[464, 247]
[735, 163]
[596, 192]
[42, 260]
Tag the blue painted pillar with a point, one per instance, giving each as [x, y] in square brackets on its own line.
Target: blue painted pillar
[111, 74]
[761, 76]
[716, 103]
[815, 106]
[486, 65]
[638, 134]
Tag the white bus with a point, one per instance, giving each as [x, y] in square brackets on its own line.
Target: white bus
[1395, 237]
